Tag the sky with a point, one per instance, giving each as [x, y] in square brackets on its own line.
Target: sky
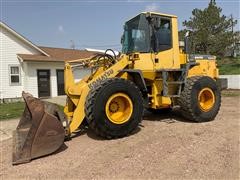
[92, 23]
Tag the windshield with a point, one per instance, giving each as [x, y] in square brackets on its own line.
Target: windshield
[136, 37]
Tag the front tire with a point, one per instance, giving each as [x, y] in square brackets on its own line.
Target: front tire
[200, 100]
[114, 108]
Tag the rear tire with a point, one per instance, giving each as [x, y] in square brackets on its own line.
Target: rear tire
[200, 100]
[114, 108]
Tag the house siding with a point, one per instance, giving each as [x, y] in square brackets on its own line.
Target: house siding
[10, 46]
[31, 83]
[233, 81]
[79, 73]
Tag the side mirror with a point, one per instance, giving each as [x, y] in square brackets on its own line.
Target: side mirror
[186, 43]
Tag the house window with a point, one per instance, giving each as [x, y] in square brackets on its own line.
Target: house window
[14, 75]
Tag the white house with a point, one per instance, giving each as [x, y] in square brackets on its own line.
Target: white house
[27, 67]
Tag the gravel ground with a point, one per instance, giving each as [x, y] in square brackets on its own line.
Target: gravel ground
[6, 128]
[163, 147]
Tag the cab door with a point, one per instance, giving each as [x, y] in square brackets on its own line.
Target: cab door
[166, 43]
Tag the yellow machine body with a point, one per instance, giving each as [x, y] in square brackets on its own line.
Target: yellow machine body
[150, 64]
[151, 72]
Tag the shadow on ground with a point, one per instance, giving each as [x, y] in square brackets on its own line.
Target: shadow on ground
[167, 117]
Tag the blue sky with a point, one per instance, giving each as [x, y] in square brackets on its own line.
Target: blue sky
[94, 24]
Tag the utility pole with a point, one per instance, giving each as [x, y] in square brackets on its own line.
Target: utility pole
[72, 45]
[231, 17]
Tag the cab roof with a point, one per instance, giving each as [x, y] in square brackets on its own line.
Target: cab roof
[160, 14]
[155, 13]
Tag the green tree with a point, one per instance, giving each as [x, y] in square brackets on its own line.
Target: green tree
[211, 32]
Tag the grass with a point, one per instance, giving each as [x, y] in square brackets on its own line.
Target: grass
[60, 107]
[229, 66]
[14, 110]
[11, 110]
[226, 66]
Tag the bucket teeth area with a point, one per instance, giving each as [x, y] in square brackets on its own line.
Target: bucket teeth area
[19, 137]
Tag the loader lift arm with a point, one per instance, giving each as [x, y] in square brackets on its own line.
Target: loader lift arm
[77, 92]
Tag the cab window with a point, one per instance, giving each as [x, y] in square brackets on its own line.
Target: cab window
[164, 35]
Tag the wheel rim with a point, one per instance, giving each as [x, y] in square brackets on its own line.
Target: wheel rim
[206, 99]
[119, 108]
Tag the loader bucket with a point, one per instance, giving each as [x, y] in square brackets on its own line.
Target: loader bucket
[39, 132]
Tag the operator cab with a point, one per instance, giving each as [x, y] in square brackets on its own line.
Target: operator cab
[154, 37]
[147, 32]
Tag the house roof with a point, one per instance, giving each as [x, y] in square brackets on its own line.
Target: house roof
[67, 54]
[30, 57]
[57, 55]
[9, 29]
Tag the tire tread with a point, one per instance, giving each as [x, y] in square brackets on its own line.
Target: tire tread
[185, 100]
[89, 106]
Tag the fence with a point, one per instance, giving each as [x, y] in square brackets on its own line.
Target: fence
[233, 81]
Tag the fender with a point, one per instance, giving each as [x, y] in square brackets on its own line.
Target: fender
[139, 81]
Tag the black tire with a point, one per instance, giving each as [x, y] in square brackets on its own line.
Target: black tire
[189, 103]
[96, 102]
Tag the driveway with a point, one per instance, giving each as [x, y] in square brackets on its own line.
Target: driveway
[164, 146]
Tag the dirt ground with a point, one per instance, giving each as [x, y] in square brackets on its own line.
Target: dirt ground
[6, 128]
[164, 146]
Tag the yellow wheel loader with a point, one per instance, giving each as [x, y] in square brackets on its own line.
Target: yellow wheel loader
[152, 72]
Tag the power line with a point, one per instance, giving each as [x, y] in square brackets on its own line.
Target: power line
[106, 45]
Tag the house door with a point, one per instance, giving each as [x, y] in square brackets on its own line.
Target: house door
[60, 82]
[43, 77]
